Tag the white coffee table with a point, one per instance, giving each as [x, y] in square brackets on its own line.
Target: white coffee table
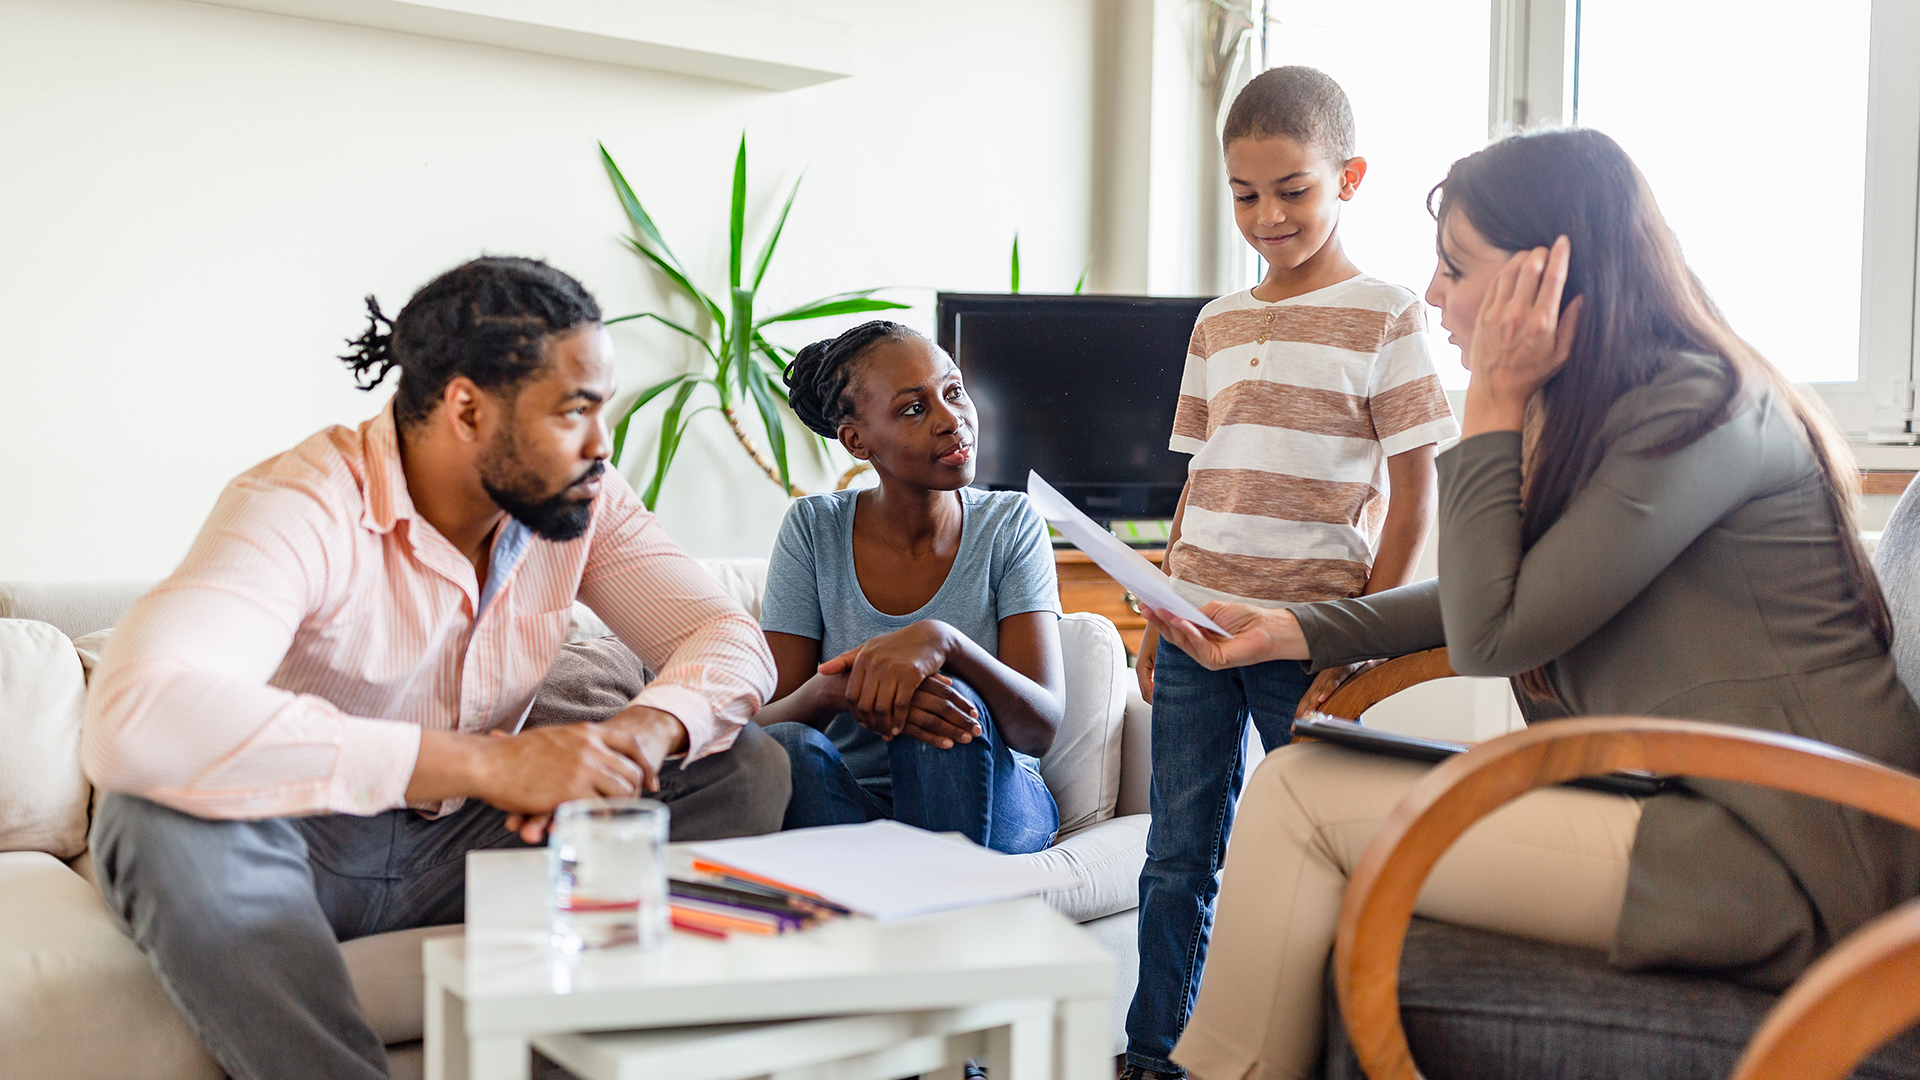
[1030, 983]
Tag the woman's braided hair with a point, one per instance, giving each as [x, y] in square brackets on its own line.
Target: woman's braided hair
[487, 319]
[819, 375]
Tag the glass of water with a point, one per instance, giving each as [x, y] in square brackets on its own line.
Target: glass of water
[606, 873]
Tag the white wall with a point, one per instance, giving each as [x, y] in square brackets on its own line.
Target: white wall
[194, 199]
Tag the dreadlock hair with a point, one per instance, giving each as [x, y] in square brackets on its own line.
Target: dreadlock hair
[819, 375]
[1301, 103]
[487, 320]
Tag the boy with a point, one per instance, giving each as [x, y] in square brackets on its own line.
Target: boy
[1311, 409]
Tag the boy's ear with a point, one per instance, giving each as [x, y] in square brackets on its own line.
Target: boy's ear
[1351, 173]
[850, 439]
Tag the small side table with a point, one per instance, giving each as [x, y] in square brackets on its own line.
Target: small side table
[1016, 982]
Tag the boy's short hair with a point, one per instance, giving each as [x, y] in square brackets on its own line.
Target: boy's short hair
[1302, 103]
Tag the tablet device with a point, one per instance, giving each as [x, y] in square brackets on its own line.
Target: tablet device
[1432, 751]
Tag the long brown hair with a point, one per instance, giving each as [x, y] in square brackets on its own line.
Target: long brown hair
[1643, 304]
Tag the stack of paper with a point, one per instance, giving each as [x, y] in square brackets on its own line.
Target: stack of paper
[883, 868]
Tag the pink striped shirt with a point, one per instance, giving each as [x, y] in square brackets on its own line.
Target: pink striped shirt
[319, 622]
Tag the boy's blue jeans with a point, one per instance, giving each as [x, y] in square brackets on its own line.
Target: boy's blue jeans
[977, 788]
[1199, 737]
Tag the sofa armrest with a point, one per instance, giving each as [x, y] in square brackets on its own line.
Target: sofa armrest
[1136, 756]
[1106, 856]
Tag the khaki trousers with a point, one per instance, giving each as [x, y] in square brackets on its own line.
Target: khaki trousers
[1551, 865]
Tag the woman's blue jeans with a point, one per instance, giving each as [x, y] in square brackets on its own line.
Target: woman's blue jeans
[1199, 739]
[978, 789]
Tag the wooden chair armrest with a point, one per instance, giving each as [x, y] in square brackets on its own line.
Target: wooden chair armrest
[1846, 1006]
[1382, 681]
[1460, 791]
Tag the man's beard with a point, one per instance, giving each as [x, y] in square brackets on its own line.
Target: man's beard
[516, 489]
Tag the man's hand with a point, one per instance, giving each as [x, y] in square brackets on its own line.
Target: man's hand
[884, 674]
[644, 735]
[529, 773]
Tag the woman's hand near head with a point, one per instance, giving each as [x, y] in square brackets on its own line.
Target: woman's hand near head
[1256, 635]
[1520, 338]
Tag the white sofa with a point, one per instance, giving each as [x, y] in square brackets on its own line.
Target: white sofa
[78, 1000]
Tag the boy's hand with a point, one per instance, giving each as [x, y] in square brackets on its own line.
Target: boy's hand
[1143, 664]
[884, 674]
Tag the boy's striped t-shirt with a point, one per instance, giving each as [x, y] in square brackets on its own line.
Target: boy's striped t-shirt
[1290, 411]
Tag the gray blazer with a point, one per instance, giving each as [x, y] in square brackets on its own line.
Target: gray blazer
[1702, 584]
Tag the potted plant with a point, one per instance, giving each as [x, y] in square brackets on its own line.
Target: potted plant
[740, 364]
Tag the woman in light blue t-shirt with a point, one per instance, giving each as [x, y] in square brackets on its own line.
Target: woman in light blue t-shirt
[933, 605]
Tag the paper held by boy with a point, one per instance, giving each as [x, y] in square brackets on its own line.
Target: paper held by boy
[1125, 565]
[885, 869]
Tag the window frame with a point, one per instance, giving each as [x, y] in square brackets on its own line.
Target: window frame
[1534, 57]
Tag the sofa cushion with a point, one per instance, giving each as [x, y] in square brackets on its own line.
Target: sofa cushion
[43, 795]
[1488, 1006]
[589, 681]
[91, 649]
[76, 997]
[1083, 768]
[390, 981]
[76, 608]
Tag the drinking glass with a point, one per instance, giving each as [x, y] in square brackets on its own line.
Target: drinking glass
[606, 873]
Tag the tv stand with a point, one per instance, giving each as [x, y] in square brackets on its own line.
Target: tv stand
[1086, 587]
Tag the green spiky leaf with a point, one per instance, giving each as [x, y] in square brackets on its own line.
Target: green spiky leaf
[651, 392]
[847, 303]
[637, 215]
[664, 321]
[740, 345]
[763, 399]
[1016, 264]
[673, 274]
[1081, 285]
[672, 429]
[737, 219]
[766, 253]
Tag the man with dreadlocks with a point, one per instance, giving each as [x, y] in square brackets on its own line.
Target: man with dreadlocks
[295, 726]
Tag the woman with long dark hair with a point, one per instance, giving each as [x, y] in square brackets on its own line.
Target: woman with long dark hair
[1643, 517]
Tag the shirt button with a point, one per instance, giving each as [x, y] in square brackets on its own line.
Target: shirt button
[1255, 362]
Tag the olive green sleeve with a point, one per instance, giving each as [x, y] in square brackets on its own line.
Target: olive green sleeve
[1506, 611]
[1389, 623]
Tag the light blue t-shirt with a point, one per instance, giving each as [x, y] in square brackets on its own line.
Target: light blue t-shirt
[1004, 567]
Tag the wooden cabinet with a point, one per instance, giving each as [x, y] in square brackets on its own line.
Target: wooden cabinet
[1086, 587]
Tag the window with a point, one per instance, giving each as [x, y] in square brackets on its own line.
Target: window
[1416, 73]
[1749, 119]
[1783, 142]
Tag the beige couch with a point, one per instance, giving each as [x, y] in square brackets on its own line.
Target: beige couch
[78, 1000]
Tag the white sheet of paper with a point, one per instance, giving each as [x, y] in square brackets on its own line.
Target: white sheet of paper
[1125, 565]
[886, 869]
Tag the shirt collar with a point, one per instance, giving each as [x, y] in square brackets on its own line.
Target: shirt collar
[388, 501]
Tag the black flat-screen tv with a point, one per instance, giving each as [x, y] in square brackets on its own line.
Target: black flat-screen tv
[1080, 389]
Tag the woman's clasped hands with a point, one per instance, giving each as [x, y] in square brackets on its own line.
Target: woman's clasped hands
[892, 685]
